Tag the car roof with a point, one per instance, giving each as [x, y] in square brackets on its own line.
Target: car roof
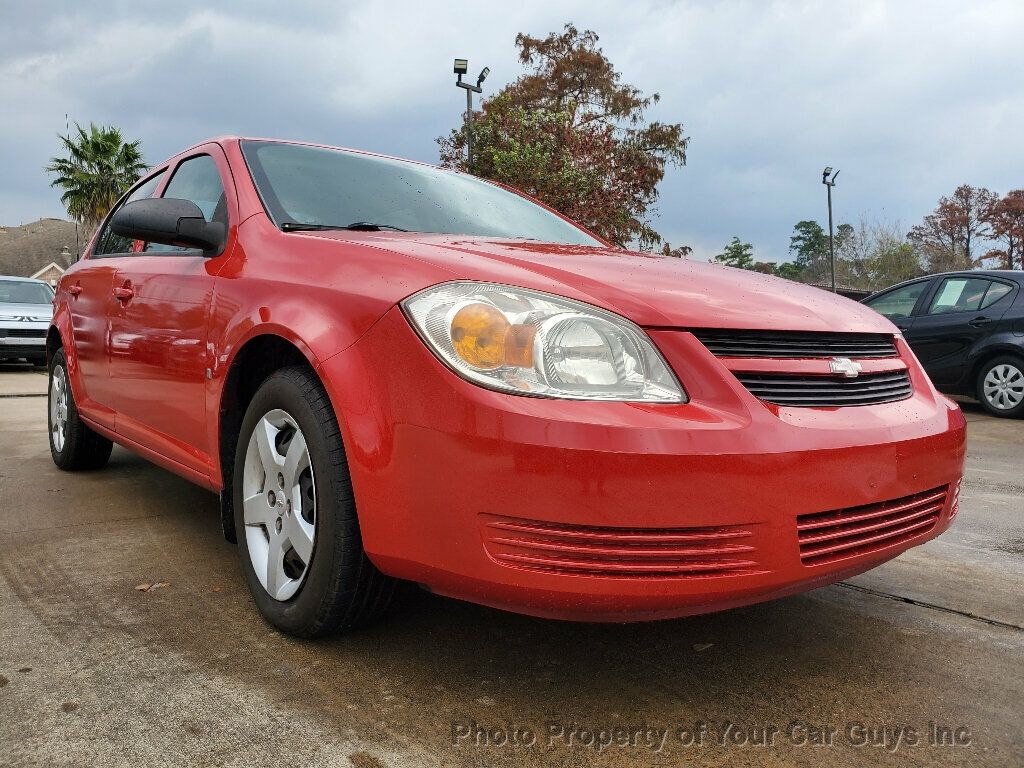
[22, 279]
[1013, 274]
[222, 140]
[1007, 274]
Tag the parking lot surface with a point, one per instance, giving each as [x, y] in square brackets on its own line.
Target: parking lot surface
[920, 662]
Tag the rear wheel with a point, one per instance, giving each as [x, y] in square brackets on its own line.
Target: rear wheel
[73, 445]
[1000, 386]
[299, 538]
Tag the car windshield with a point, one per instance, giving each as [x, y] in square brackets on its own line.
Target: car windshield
[314, 187]
[24, 292]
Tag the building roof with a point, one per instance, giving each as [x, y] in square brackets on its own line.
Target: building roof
[26, 249]
[43, 270]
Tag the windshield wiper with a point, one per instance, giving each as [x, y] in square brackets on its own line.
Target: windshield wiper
[358, 226]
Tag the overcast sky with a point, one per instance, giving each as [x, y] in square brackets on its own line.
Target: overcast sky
[908, 99]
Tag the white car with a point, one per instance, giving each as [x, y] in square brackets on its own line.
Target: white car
[26, 308]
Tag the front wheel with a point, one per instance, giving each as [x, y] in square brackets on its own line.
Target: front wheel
[1000, 386]
[73, 445]
[299, 539]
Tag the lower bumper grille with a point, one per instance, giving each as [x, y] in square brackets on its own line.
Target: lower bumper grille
[620, 552]
[22, 333]
[829, 536]
[828, 391]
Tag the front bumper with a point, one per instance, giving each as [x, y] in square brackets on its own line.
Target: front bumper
[22, 340]
[656, 497]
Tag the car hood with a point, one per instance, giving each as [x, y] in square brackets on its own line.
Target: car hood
[44, 312]
[651, 290]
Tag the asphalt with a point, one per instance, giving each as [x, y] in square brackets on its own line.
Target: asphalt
[925, 649]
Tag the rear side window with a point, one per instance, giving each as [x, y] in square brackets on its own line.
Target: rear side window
[196, 179]
[995, 292]
[900, 302]
[964, 294]
[108, 243]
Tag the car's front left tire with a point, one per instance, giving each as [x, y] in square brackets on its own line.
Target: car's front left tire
[73, 445]
[297, 531]
[1000, 386]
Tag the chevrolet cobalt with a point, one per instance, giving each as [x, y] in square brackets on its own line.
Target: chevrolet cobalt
[394, 372]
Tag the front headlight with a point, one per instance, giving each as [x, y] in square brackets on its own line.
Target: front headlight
[531, 343]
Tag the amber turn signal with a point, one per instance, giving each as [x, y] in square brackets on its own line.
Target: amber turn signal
[478, 335]
[483, 337]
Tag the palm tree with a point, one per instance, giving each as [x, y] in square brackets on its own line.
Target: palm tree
[98, 168]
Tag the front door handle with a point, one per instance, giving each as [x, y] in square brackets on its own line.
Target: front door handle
[980, 322]
[124, 293]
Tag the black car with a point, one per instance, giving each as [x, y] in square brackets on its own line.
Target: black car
[967, 328]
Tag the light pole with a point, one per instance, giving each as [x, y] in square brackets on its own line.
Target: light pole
[829, 180]
[461, 67]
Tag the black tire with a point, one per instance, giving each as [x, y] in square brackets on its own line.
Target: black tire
[341, 589]
[82, 449]
[1016, 368]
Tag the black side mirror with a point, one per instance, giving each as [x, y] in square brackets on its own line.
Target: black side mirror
[168, 221]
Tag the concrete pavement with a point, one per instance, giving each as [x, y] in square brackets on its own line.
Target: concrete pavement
[94, 672]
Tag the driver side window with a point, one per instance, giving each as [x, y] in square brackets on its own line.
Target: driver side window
[108, 243]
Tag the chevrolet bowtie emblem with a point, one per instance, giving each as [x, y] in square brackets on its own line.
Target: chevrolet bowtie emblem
[845, 366]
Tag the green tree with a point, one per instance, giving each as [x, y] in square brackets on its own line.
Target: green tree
[808, 243]
[97, 168]
[893, 262]
[570, 133]
[737, 254]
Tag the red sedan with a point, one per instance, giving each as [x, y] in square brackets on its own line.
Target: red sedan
[394, 372]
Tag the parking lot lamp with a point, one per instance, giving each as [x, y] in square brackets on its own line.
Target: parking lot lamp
[461, 67]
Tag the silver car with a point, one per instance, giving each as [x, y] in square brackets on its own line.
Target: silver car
[26, 307]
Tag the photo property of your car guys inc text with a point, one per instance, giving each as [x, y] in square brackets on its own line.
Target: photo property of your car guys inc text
[401, 385]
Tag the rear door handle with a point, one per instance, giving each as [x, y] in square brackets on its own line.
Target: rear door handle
[980, 322]
[75, 289]
[124, 293]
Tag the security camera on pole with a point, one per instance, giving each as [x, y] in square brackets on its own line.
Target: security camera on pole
[461, 67]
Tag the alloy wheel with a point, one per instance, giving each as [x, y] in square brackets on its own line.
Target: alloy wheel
[59, 408]
[1004, 386]
[279, 504]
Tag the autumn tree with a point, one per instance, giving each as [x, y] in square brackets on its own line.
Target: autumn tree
[570, 133]
[97, 167]
[1005, 218]
[736, 254]
[948, 237]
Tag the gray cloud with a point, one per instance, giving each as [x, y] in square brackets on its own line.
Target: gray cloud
[909, 99]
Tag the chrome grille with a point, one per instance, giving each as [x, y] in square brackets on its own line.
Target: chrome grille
[796, 344]
[828, 391]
